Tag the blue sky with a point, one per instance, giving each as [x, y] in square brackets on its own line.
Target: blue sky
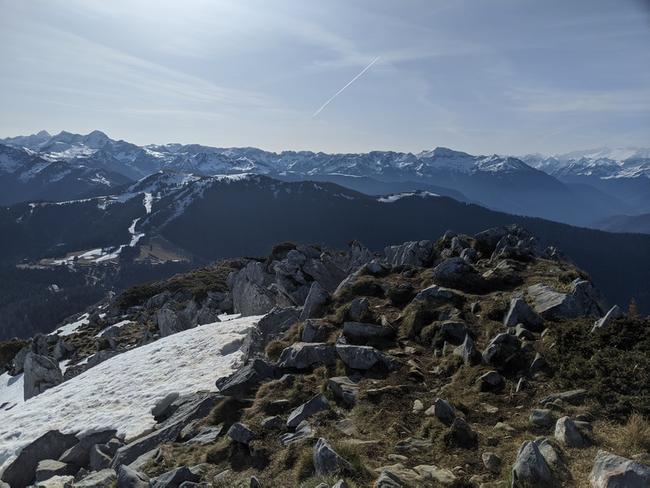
[484, 76]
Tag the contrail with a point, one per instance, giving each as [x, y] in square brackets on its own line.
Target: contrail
[341, 90]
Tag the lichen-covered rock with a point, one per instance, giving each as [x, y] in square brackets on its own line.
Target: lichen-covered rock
[41, 373]
[582, 301]
[612, 471]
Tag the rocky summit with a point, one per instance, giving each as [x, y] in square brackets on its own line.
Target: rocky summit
[478, 360]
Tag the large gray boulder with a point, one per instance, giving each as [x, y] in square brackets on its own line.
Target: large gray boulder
[128, 477]
[246, 378]
[175, 478]
[251, 292]
[502, 350]
[186, 409]
[612, 471]
[568, 433]
[413, 253]
[531, 469]
[170, 322]
[363, 357]
[48, 468]
[316, 404]
[41, 373]
[20, 472]
[583, 300]
[79, 454]
[239, 432]
[521, 313]
[611, 315]
[304, 355]
[361, 333]
[457, 273]
[98, 479]
[316, 302]
[327, 461]
[344, 389]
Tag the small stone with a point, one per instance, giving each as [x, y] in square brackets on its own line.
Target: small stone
[316, 404]
[568, 433]
[239, 432]
[327, 461]
[418, 406]
[443, 410]
[491, 382]
[541, 418]
[273, 423]
[491, 461]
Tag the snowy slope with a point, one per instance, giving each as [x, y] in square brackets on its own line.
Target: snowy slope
[120, 392]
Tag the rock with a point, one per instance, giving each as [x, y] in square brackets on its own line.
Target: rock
[442, 410]
[438, 476]
[207, 435]
[539, 365]
[98, 479]
[98, 458]
[62, 350]
[344, 389]
[187, 409]
[48, 468]
[531, 469]
[130, 478]
[20, 472]
[246, 378]
[303, 355]
[468, 352]
[418, 406]
[582, 301]
[541, 419]
[327, 461]
[414, 253]
[612, 471]
[316, 404]
[41, 373]
[523, 333]
[613, 314]
[303, 431]
[457, 273]
[460, 434]
[340, 484]
[161, 407]
[361, 333]
[503, 351]
[568, 433]
[316, 302]
[250, 288]
[174, 478]
[359, 309]
[171, 322]
[239, 432]
[491, 382]
[521, 313]
[437, 295]
[277, 322]
[491, 461]
[65, 481]
[388, 479]
[363, 357]
[254, 483]
[274, 422]
[79, 454]
[574, 397]
[400, 294]
[316, 330]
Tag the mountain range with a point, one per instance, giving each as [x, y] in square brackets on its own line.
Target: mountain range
[580, 188]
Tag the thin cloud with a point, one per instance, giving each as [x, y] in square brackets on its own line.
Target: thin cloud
[327, 102]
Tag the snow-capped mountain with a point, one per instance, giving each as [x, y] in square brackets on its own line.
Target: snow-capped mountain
[600, 162]
[533, 185]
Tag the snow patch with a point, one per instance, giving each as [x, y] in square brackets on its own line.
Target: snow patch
[120, 392]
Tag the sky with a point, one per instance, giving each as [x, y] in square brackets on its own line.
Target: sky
[482, 76]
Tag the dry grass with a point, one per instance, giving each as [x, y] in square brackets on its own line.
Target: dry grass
[636, 433]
